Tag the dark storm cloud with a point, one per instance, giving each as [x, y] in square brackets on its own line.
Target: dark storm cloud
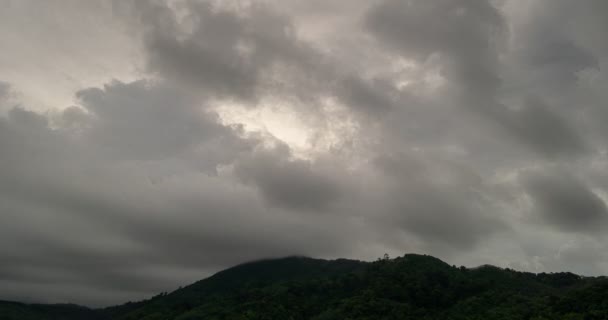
[460, 39]
[225, 51]
[565, 202]
[370, 97]
[465, 34]
[559, 55]
[289, 183]
[6, 102]
[417, 127]
[248, 52]
[468, 36]
[4, 89]
[446, 214]
[542, 129]
[144, 121]
[83, 215]
[547, 47]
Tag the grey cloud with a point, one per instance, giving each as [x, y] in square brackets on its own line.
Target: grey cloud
[468, 37]
[226, 52]
[4, 89]
[565, 202]
[290, 183]
[584, 254]
[447, 214]
[543, 129]
[183, 236]
[74, 118]
[576, 252]
[86, 42]
[370, 97]
[559, 54]
[546, 49]
[426, 131]
[251, 52]
[465, 34]
[142, 120]
[556, 50]
[88, 217]
[446, 219]
[590, 25]
[28, 119]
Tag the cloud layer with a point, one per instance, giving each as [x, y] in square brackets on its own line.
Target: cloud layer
[223, 131]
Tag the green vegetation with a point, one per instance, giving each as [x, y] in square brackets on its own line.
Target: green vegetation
[21, 311]
[408, 287]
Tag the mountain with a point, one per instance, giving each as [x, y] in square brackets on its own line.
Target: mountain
[15, 310]
[408, 287]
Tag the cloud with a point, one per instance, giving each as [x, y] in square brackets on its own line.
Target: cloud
[86, 44]
[373, 97]
[223, 51]
[4, 88]
[471, 130]
[88, 220]
[433, 200]
[464, 34]
[544, 130]
[565, 202]
[287, 182]
[119, 186]
[467, 37]
[142, 120]
[248, 51]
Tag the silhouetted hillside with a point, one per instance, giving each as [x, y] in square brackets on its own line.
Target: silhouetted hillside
[21, 311]
[408, 287]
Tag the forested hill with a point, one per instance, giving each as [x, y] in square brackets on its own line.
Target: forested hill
[408, 287]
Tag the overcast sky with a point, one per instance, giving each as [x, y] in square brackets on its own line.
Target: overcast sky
[145, 145]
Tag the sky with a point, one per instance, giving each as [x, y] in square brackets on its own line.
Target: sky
[146, 144]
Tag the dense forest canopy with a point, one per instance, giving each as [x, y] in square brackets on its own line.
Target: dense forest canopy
[408, 287]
